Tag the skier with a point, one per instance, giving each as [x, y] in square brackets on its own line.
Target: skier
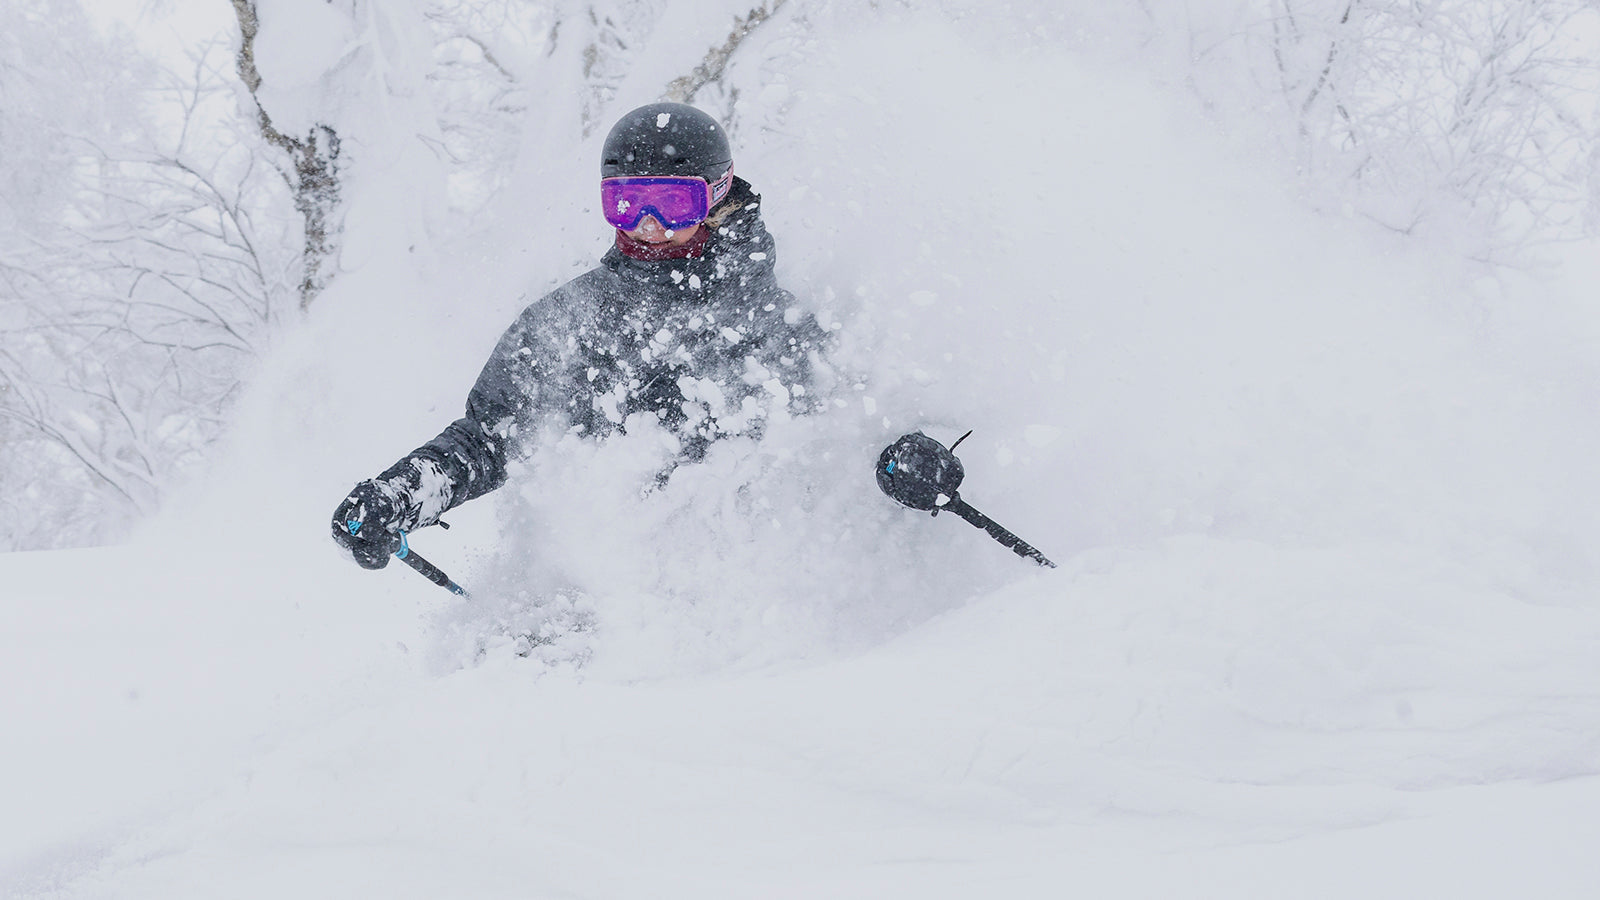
[682, 322]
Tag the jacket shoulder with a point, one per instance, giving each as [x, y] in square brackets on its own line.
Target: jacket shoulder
[557, 312]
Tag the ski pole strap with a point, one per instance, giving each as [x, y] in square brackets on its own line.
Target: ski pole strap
[1006, 538]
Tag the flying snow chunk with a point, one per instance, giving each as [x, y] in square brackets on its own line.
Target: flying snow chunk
[662, 119]
[1041, 435]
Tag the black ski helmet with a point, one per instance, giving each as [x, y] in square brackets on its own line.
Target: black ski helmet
[666, 139]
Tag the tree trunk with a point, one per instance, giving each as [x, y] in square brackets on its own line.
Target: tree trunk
[314, 177]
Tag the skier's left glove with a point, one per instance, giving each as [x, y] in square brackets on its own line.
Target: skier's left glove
[368, 523]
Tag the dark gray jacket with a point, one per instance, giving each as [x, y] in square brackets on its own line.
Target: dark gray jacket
[706, 346]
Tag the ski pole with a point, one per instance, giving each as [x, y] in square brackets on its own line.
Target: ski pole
[921, 473]
[1017, 545]
[427, 569]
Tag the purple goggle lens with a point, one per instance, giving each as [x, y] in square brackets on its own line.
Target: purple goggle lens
[676, 202]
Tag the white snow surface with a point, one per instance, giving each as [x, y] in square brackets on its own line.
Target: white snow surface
[1325, 622]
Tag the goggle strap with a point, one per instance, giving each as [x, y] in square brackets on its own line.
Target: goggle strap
[720, 187]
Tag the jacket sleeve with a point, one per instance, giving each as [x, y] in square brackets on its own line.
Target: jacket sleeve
[468, 458]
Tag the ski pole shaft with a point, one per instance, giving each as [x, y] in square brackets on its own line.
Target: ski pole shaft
[432, 572]
[1018, 545]
[426, 569]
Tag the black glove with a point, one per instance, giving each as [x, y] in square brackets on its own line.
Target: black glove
[368, 523]
[917, 470]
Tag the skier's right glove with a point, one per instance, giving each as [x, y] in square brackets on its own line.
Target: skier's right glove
[368, 523]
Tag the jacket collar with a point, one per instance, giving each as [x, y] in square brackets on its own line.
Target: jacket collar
[640, 250]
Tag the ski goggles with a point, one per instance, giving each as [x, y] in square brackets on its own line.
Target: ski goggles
[676, 201]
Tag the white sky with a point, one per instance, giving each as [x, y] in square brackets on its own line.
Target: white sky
[166, 27]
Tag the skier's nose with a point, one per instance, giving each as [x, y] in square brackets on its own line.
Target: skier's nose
[650, 227]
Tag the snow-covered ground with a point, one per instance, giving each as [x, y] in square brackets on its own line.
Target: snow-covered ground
[1198, 718]
[1325, 623]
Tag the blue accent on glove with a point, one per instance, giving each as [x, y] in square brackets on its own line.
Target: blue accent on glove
[890, 470]
[353, 526]
[405, 548]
